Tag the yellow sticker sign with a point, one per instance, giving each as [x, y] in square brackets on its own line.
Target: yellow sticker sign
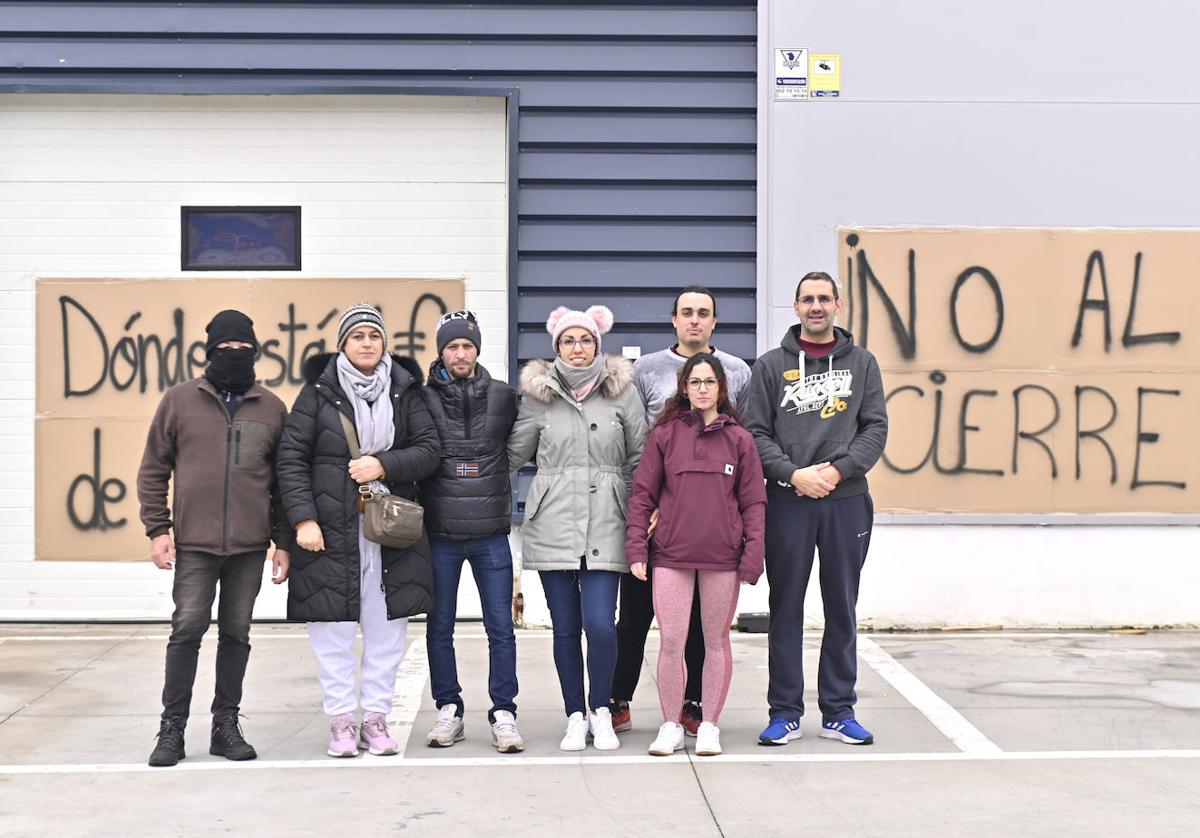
[825, 75]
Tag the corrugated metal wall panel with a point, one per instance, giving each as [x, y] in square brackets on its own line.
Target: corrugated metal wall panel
[636, 165]
[720, 273]
[341, 19]
[636, 202]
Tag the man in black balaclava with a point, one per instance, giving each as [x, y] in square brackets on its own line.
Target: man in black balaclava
[217, 435]
[230, 348]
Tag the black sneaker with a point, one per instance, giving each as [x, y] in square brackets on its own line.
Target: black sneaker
[691, 717]
[228, 741]
[169, 749]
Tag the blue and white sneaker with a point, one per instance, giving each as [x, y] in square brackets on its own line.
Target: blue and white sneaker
[780, 731]
[847, 730]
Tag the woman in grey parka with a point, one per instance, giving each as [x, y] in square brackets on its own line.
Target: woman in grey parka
[582, 419]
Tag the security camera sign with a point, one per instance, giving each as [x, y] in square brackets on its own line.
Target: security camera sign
[791, 75]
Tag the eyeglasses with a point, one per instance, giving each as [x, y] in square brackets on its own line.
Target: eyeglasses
[809, 299]
[571, 343]
[702, 384]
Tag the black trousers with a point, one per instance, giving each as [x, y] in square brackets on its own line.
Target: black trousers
[637, 612]
[840, 530]
[195, 588]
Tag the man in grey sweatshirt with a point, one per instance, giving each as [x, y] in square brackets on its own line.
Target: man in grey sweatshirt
[817, 410]
[656, 376]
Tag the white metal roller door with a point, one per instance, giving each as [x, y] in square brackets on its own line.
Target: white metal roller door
[92, 185]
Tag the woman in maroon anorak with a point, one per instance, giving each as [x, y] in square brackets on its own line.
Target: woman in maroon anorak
[700, 470]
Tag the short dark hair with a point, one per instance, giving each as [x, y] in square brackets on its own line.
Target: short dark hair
[818, 276]
[694, 289]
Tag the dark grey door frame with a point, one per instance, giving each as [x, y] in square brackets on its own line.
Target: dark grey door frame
[255, 87]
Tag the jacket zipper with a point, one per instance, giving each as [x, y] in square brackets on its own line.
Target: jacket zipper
[225, 500]
[466, 410]
[237, 448]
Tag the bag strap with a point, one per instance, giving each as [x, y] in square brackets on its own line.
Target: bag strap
[351, 435]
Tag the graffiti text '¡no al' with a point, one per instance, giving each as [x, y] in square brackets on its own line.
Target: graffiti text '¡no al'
[858, 266]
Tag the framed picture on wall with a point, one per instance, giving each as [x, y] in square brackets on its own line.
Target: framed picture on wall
[240, 238]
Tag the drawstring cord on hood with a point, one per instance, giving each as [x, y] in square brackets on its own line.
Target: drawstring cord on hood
[831, 401]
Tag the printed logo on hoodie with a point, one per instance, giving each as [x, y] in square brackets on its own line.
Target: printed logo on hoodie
[819, 391]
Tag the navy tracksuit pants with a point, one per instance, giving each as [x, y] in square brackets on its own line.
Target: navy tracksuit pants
[840, 530]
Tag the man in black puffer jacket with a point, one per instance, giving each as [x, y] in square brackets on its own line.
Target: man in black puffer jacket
[468, 511]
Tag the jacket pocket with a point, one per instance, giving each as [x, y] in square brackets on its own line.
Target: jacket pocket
[251, 443]
[537, 492]
[826, 450]
[704, 522]
[622, 501]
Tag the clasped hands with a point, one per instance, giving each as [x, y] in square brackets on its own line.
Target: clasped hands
[816, 481]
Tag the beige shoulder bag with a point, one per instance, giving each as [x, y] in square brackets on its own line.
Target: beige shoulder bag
[387, 519]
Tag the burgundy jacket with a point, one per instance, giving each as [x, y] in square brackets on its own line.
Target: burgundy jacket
[708, 485]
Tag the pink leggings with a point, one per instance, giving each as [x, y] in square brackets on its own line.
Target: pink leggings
[673, 591]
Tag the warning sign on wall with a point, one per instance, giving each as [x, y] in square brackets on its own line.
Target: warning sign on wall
[791, 74]
[825, 75]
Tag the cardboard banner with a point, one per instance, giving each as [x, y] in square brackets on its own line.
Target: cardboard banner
[107, 349]
[1031, 371]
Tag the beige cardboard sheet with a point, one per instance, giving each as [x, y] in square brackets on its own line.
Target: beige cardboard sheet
[108, 348]
[1032, 370]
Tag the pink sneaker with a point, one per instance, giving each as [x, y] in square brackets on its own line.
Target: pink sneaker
[343, 734]
[374, 736]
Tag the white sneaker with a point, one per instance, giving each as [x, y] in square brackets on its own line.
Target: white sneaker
[668, 741]
[575, 739]
[604, 738]
[505, 735]
[708, 740]
[448, 728]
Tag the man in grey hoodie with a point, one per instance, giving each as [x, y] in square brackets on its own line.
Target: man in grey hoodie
[817, 410]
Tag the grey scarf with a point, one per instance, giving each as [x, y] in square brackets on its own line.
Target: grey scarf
[375, 423]
[372, 402]
[579, 380]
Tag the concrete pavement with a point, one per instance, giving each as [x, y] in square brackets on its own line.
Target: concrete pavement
[996, 734]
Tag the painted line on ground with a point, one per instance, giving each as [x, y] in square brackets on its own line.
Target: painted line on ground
[397, 762]
[544, 632]
[83, 638]
[411, 678]
[953, 725]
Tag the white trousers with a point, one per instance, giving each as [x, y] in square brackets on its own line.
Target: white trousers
[382, 649]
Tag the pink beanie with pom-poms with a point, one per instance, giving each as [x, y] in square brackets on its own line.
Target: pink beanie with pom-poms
[598, 320]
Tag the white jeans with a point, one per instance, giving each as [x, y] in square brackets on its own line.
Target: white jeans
[382, 649]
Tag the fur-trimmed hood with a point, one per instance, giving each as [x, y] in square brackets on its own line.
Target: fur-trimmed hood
[540, 383]
[315, 366]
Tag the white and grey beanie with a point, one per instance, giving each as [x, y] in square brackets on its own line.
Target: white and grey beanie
[360, 314]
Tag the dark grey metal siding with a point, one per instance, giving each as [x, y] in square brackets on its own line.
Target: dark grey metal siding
[635, 166]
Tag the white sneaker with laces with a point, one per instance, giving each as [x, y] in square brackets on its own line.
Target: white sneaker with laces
[505, 735]
[604, 738]
[575, 738]
[708, 740]
[668, 741]
[448, 728]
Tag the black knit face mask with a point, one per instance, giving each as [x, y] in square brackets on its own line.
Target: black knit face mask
[231, 370]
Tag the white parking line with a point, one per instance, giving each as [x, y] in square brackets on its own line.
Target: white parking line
[968, 738]
[257, 638]
[399, 762]
[411, 678]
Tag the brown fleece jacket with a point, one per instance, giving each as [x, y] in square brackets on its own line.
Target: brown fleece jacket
[224, 477]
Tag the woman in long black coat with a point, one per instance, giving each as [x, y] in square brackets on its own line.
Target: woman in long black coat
[339, 579]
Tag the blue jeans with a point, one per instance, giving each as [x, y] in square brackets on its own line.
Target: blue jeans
[583, 600]
[492, 566]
